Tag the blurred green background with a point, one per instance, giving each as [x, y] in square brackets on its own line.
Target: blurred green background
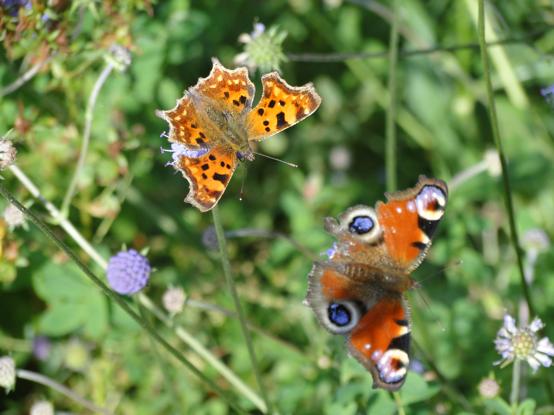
[125, 196]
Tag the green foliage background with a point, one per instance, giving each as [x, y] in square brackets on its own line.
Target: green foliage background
[127, 197]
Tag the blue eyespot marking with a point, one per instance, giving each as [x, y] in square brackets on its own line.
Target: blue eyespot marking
[339, 314]
[240, 156]
[331, 251]
[361, 225]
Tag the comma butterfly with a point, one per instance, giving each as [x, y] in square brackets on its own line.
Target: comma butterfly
[359, 291]
[213, 126]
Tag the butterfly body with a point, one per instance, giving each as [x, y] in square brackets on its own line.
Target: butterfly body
[214, 126]
[359, 291]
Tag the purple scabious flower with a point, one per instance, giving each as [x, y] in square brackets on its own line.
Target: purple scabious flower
[128, 272]
[41, 347]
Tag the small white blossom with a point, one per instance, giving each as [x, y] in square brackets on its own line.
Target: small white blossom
[42, 408]
[7, 373]
[535, 240]
[523, 344]
[13, 216]
[489, 388]
[7, 153]
[174, 300]
[492, 160]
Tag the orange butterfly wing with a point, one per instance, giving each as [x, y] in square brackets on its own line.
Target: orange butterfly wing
[280, 107]
[208, 176]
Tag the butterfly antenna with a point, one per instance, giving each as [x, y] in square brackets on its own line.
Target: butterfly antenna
[241, 194]
[276, 159]
[425, 300]
[442, 270]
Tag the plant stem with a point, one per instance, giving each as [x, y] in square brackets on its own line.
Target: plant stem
[186, 337]
[64, 390]
[114, 297]
[229, 279]
[498, 142]
[516, 377]
[398, 401]
[390, 153]
[89, 115]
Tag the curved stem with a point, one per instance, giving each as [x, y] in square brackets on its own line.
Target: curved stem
[116, 298]
[58, 387]
[186, 337]
[229, 279]
[498, 142]
[26, 77]
[390, 154]
[398, 401]
[89, 114]
[516, 378]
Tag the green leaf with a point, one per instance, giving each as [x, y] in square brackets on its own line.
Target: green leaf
[73, 302]
[527, 407]
[498, 406]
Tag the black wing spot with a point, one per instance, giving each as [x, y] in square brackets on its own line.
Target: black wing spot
[427, 226]
[271, 104]
[204, 176]
[402, 323]
[419, 245]
[268, 129]
[266, 123]
[228, 166]
[199, 141]
[235, 102]
[211, 157]
[401, 343]
[282, 103]
[242, 99]
[220, 177]
[226, 94]
[222, 164]
[260, 111]
[281, 122]
[202, 135]
[205, 166]
[193, 126]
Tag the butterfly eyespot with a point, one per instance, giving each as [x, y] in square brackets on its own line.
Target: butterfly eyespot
[361, 222]
[342, 316]
[361, 225]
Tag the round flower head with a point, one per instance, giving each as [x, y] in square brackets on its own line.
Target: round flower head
[263, 49]
[128, 272]
[174, 300]
[7, 373]
[489, 388]
[7, 153]
[523, 344]
[42, 408]
[13, 216]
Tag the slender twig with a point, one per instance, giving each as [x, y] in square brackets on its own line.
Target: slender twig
[89, 115]
[390, 152]
[238, 307]
[516, 377]
[498, 142]
[116, 298]
[26, 77]
[398, 401]
[408, 53]
[186, 337]
[64, 390]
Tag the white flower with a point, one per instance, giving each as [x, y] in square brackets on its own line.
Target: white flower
[492, 161]
[13, 216]
[523, 344]
[489, 388]
[7, 153]
[42, 408]
[7, 373]
[174, 300]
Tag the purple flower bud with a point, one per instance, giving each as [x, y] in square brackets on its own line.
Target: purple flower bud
[41, 347]
[128, 272]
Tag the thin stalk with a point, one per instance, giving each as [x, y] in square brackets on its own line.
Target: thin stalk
[186, 337]
[498, 142]
[116, 298]
[390, 152]
[398, 401]
[58, 387]
[89, 115]
[26, 77]
[229, 279]
[516, 378]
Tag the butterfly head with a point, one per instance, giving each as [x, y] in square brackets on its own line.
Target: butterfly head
[245, 154]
